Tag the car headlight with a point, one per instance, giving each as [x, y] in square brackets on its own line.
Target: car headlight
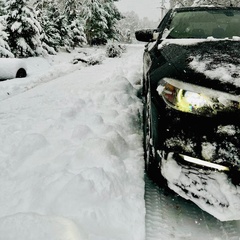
[195, 99]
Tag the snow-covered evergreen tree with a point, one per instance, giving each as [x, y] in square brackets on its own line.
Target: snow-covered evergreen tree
[96, 22]
[181, 3]
[2, 7]
[75, 23]
[235, 3]
[101, 17]
[65, 32]
[112, 16]
[78, 34]
[48, 12]
[4, 47]
[216, 2]
[23, 28]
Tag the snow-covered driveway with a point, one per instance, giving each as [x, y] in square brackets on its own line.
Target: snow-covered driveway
[71, 160]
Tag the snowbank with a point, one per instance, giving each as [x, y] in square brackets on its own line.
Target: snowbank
[31, 226]
[71, 151]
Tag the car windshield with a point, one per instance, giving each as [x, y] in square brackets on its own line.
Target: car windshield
[217, 23]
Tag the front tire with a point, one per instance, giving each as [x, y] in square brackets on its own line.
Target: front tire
[150, 133]
[151, 166]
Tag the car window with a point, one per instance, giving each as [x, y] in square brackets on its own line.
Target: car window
[218, 23]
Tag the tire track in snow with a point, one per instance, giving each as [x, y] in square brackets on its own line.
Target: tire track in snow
[169, 216]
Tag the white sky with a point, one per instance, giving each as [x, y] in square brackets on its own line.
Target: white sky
[144, 8]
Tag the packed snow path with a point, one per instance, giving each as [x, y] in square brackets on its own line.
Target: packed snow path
[169, 216]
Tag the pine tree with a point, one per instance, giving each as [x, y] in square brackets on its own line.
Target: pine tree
[75, 22]
[2, 8]
[113, 16]
[101, 17]
[23, 28]
[65, 33]
[181, 3]
[4, 47]
[48, 12]
[216, 2]
[78, 35]
[96, 22]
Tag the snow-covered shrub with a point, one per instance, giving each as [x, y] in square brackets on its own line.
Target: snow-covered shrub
[114, 50]
[23, 29]
[90, 60]
[95, 60]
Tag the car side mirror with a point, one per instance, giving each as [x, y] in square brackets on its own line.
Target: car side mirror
[147, 35]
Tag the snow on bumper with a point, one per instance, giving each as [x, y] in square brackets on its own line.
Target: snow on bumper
[10, 66]
[211, 190]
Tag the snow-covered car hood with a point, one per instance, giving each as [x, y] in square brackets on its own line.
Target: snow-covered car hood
[213, 64]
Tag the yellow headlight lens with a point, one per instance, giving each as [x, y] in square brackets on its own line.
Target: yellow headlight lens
[188, 101]
[196, 99]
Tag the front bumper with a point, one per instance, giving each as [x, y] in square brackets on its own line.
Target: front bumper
[212, 190]
[212, 139]
[200, 160]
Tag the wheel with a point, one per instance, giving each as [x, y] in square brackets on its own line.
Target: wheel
[152, 161]
[149, 150]
[21, 73]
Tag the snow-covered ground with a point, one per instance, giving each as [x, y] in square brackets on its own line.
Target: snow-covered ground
[71, 155]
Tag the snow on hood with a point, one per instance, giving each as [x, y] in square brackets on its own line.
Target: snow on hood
[182, 42]
[227, 72]
[217, 60]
